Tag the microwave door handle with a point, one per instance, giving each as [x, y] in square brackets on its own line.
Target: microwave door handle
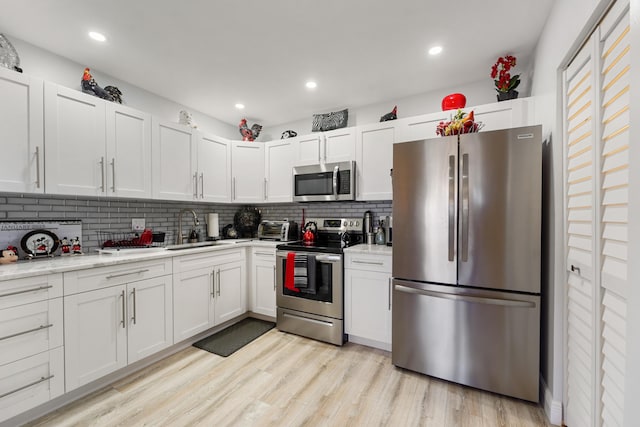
[336, 169]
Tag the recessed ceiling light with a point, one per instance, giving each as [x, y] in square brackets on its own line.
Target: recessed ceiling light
[97, 36]
[311, 85]
[239, 106]
[435, 50]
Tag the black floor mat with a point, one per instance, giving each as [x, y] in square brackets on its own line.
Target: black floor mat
[234, 337]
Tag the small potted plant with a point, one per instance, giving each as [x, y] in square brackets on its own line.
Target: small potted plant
[505, 83]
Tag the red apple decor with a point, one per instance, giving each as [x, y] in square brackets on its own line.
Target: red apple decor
[454, 101]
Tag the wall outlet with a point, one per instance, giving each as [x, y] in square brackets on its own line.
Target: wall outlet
[137, 224]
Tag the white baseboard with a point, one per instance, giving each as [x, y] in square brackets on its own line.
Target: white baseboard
[552, 408]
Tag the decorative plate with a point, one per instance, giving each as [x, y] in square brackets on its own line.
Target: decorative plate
[39, 242]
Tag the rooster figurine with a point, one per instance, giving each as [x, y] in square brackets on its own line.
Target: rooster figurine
[249, 134]
[90, 86]
[390, 116]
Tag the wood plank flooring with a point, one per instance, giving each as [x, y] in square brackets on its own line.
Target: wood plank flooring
[285, 380]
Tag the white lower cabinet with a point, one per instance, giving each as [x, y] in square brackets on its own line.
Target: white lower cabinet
[367, 300]
[263, 281]
[29, 382]
[209, 289]
[119, 315]
[31, 343]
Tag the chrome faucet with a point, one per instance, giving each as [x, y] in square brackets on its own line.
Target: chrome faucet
[179, 239]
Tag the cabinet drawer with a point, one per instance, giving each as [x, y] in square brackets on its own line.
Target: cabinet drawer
[31, 289]
[207, 259]
[368, 262]
[30, 329]
[103, 277]
[264, 253]
[30, 382]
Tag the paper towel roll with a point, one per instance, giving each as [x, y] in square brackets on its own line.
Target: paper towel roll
[213, 229]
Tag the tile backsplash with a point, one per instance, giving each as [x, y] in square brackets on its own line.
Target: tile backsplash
[109, 214]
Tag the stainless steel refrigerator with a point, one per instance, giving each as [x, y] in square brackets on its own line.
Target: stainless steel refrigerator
[466, 259]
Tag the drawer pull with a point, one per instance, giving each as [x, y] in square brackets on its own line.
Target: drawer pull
[41, 380]
[17, 334]
[112, 276]
[355, 261]
[25, 291]
[264, 253]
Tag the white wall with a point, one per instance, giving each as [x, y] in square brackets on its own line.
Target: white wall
[51, 67]
[478, 93]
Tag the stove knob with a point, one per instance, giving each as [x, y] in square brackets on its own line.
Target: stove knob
[357, 223]
[345, 223]
[350, 223]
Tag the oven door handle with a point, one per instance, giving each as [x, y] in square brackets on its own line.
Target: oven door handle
[333, 259]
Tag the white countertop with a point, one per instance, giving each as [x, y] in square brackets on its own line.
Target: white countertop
[369, 249]
[60, 264]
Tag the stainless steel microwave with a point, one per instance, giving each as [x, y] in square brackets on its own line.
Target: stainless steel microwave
[324, 182]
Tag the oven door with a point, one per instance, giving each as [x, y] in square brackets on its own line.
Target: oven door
[328, 298]
[324, 182]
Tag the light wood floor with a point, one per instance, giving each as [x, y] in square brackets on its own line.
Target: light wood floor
[284, 380]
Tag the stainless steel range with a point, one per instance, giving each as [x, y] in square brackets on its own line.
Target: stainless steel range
[309, 279]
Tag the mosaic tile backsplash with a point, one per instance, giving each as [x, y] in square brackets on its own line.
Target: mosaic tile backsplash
[109, 214]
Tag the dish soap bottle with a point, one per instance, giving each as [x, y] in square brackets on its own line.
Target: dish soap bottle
[380, 235]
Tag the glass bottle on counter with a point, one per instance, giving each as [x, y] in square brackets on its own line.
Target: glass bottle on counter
[380, 235]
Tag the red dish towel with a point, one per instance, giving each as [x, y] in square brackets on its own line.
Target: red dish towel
[289, 272]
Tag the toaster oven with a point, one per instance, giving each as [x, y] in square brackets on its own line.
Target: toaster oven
[278, 230]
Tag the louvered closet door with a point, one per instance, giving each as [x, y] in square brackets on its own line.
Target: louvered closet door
[580, 210]
[614, 196]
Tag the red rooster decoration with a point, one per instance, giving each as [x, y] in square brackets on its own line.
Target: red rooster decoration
[249, 134]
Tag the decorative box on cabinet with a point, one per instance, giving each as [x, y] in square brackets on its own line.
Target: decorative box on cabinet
[367, 299]
[209, 289]
[263, 281]
[21, 133]
[31, 343]
[115, 316]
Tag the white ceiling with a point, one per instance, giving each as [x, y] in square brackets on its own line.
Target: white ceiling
[211, 54]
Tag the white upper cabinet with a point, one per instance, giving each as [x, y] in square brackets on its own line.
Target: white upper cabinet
[420, 127]
[279, 156]
[247, 166]
[128, 152]
[504, 115]
[75, 142]
[21, 133]
[374, 160]
[174, 168]
[327, 147]
[214, 169]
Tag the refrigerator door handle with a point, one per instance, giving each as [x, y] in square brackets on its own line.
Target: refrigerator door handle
[452, 206]
[466, 298]
[465, 207]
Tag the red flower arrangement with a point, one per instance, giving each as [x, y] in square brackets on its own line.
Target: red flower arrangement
[504, 81]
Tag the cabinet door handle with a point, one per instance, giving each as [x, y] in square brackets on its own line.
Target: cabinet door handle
[17, 334]
[274, 277]
[40, 288]
[113, 174]
[133, 293]
[356, 261]
[102, 173]
[389, 296]
[126, 274]
[213, 283]
[233, 190]
[218, 282]
[265, 188]
[195, 187]
[123, 321]
[202, 185]
[41, 380]
[37, 167]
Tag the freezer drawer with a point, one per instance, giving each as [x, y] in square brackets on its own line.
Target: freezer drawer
[484, 339]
